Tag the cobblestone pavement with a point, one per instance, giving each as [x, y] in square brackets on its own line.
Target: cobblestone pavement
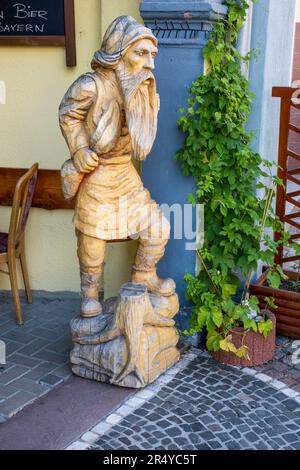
[38, 351]
[206, 405]
[199, 405]
[286, 365]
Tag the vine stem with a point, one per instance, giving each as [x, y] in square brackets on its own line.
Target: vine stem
[207, 272]
[269, 198]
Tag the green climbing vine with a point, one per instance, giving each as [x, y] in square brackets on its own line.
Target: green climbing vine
[218, 154]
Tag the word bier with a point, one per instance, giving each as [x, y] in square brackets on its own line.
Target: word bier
[23, 11]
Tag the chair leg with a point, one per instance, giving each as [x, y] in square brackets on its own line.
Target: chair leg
[25, 275]
[14, 287]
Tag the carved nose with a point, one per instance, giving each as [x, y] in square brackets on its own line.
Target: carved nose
[149, 64]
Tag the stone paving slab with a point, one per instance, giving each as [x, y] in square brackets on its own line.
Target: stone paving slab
[35, 350]
[286, 365]
[52, 422]
[15, 403]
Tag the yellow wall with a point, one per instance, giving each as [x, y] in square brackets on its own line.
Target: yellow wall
[113, 8]
[36, 79]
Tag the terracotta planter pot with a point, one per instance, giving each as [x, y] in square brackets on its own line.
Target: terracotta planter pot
[288, 304]
[261, 349]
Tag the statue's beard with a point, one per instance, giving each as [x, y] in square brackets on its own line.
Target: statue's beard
[141, 108]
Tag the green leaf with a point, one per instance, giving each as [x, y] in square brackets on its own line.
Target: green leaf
[264, 327]
[233, 182]
[228, 290]
[191, 199]
[202, 317]
[231, 178]
[280, 271]
[227, 345]
[274, 279]
[213, 340]
[270, 301]
[217, 316]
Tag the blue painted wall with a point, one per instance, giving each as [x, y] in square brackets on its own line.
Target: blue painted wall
[182, 29]
[175, 69]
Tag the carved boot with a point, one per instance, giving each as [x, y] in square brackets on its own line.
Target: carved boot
[154, 284]
[90, 305]
[148, 254]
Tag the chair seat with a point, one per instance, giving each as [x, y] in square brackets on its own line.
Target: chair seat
[3, 242]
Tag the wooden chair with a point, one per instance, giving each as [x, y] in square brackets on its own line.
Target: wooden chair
[12, 244]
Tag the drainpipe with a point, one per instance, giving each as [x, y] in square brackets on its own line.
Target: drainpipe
[244, 40]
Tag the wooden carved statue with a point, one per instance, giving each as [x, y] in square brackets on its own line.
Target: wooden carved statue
[107, 117]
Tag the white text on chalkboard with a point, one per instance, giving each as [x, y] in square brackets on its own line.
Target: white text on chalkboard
[22, 11]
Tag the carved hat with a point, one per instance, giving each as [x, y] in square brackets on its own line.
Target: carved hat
[122, 32]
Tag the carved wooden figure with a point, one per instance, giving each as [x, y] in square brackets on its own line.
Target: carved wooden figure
[131, 343]
[107, 117]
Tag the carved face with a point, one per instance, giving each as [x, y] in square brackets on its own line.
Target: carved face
[139, 56]
[137, 83]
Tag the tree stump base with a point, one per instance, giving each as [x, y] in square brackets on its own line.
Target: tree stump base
[131, 343]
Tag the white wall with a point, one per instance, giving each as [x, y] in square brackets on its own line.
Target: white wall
[297, 11]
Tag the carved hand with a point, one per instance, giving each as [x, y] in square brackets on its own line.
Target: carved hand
[85, 160]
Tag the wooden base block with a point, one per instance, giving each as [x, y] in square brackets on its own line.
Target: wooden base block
[131, 343]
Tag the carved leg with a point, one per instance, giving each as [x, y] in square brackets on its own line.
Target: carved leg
[91, 253]
[150, 250]
[90, 305]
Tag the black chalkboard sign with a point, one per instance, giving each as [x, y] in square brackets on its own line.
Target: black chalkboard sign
[32, 18]
[39, 22]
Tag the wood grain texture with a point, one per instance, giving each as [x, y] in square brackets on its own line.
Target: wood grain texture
[287, 303]
[47, 195]
[282, 91]
[15, 247]
[294, 139]
[32, 41]
[288, 165]
[70, 38]
[288, 330]
[131, 343]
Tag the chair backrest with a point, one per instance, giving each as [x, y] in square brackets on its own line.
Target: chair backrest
[21, 205]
